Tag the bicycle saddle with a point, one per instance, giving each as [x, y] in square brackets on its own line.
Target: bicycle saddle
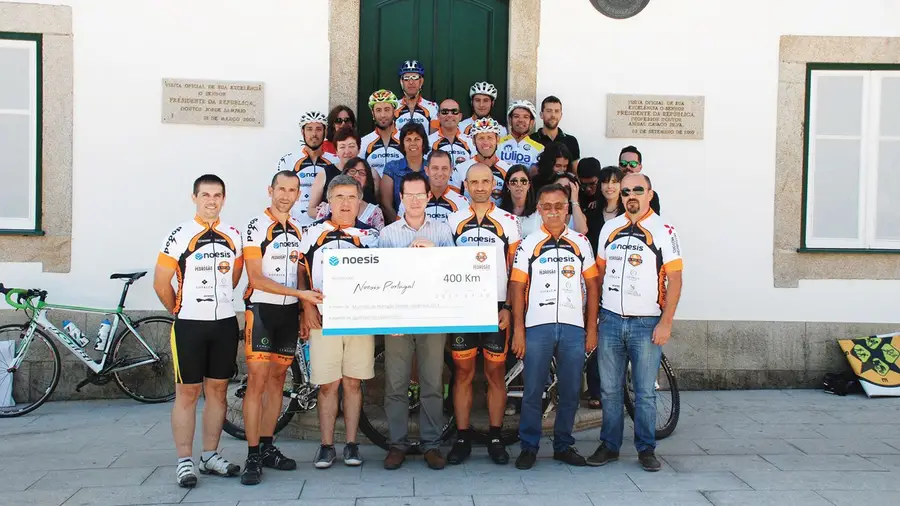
[134, 276]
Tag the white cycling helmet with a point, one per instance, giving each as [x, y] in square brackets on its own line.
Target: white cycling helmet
[483, 88]
[484, 125]
[522, 104]
[313, 117]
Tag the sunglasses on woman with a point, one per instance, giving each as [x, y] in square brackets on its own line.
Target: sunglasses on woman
[341, 121]
[519, 182]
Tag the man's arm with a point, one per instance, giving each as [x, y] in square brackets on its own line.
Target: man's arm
[592, 287]
[162, 285]
[387, 199]
[259, 281]
[517, 297]
[663, 330]
[237, 271]
[315, 194]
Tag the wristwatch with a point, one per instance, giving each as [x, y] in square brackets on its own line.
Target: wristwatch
[506, 307]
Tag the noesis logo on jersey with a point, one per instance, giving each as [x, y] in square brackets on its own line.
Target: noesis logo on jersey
[557, 259]
[303, 174]
[285, 244]
[224, 267]
[215, 254]
[371, 259]
[478, 239]
[633, 247]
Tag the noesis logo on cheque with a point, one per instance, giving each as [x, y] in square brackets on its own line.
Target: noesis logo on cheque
[371, 259]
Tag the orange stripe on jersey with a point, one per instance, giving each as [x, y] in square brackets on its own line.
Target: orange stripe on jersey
[574, 246]
[462, 224]
[321, 239]
[227, 239]
[519, 275]
[239, 263]
[647, 233]
[166, 261]
[537, 249]
[253, 252]
[592, 272]
[601, 264]
[511, 254]
[192, 245]
[495, 222]
[674, 265]
[615, 232]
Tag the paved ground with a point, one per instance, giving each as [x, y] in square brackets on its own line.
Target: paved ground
[731, 448]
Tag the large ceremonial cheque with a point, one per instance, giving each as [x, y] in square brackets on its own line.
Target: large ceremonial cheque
[409, 291]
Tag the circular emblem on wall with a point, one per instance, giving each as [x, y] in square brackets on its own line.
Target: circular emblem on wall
[619, 9]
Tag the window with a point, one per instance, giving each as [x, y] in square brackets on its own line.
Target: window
[20, 133]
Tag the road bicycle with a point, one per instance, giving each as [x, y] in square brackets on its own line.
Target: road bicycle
[141, 367]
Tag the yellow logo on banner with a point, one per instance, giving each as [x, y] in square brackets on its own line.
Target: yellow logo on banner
[875, 358]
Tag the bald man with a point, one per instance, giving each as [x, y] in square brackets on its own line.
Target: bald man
[483, 225]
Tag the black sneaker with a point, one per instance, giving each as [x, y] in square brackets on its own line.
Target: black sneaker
[603, 455]
[325, 456]
[570, 456]
[649, 461]
[498, 452]
[351, 455]
[526, 459]
[460, 451]
[273, 458]
[252, 473]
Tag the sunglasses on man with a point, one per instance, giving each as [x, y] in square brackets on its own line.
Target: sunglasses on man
[637, 190]
[449, 112]
[411, 77]
[632, 164]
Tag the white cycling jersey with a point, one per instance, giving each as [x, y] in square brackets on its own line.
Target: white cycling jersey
[439, 208]
[514, 152]
[554, 271]
[461, 148]
[466, 126]
[377, 153]
[424, 112]
[278, 246]
[634, 260]
[499, 169]
[324, 235]
[498, 229]
[203, 257]
[306, 168]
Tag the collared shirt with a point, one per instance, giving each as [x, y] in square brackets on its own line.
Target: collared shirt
[525, 151]
[439, 207]
[568, 140]
[424, 112]
[400, 235]
[278, 246]
[379, 154]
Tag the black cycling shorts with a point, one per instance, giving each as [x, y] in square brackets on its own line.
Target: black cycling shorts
[493, 346]
[271, 332]
[204, 349]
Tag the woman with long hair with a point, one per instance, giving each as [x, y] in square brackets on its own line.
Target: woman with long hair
[347, 144]
[340, 118]
[369, 213]
[554, 160]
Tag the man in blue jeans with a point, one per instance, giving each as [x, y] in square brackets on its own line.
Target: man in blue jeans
[637, 253]
[551, 267]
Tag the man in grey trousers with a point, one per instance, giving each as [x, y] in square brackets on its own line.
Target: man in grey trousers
[415, 230]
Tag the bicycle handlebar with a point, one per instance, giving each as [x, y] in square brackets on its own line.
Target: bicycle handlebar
[23, 296]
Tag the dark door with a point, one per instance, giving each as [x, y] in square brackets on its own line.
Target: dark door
[458, 42]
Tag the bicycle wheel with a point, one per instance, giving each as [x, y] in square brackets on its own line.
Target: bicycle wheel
[373, 420]
[153, 382]
[668, 400]
[234, 402]
[37, 375]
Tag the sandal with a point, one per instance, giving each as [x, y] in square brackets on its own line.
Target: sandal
[594, 403]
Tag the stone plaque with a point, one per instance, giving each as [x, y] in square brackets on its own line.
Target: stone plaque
[206, 102]
[654, 116]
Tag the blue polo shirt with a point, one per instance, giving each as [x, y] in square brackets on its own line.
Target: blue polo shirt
[397, 169]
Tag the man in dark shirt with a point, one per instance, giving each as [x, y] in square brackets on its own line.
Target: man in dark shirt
[551, 115]
[631, 162]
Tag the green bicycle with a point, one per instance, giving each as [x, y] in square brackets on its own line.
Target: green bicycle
[138, 357]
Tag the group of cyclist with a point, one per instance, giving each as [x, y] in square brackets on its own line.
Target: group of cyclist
[589, 264]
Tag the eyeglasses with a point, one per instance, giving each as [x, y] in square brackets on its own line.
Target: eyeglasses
[637, 190]
[355, 172]
[411, 77]
[449, 111]
[416, 196]
[519, 182]
[559, 206]
[341, 121]
[625, 163]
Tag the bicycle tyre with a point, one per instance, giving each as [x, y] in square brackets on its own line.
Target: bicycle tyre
[237, 430]
[383, 440]
[57, 370]
[669, 427]
[121, 383]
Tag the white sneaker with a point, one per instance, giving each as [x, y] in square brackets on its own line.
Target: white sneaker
[184, 474]
[219, 466]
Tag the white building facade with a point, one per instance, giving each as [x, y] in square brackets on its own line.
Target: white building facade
[789, 238]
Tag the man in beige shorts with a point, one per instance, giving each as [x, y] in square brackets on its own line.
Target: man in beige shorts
[337, 360]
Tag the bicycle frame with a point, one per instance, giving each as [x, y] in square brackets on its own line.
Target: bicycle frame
[39, 319]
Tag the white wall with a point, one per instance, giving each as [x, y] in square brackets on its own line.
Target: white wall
[133, 174]
[718, 192]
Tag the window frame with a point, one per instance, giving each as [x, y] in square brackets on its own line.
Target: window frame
[866, 241]
[32, 225]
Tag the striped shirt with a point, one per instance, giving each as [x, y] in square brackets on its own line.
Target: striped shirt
[400, 235]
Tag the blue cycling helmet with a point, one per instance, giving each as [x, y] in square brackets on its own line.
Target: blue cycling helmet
[411, 66]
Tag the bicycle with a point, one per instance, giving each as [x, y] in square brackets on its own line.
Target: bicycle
[130, 368]
[666, 385]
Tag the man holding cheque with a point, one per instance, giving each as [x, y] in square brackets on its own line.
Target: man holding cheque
[414, 230]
